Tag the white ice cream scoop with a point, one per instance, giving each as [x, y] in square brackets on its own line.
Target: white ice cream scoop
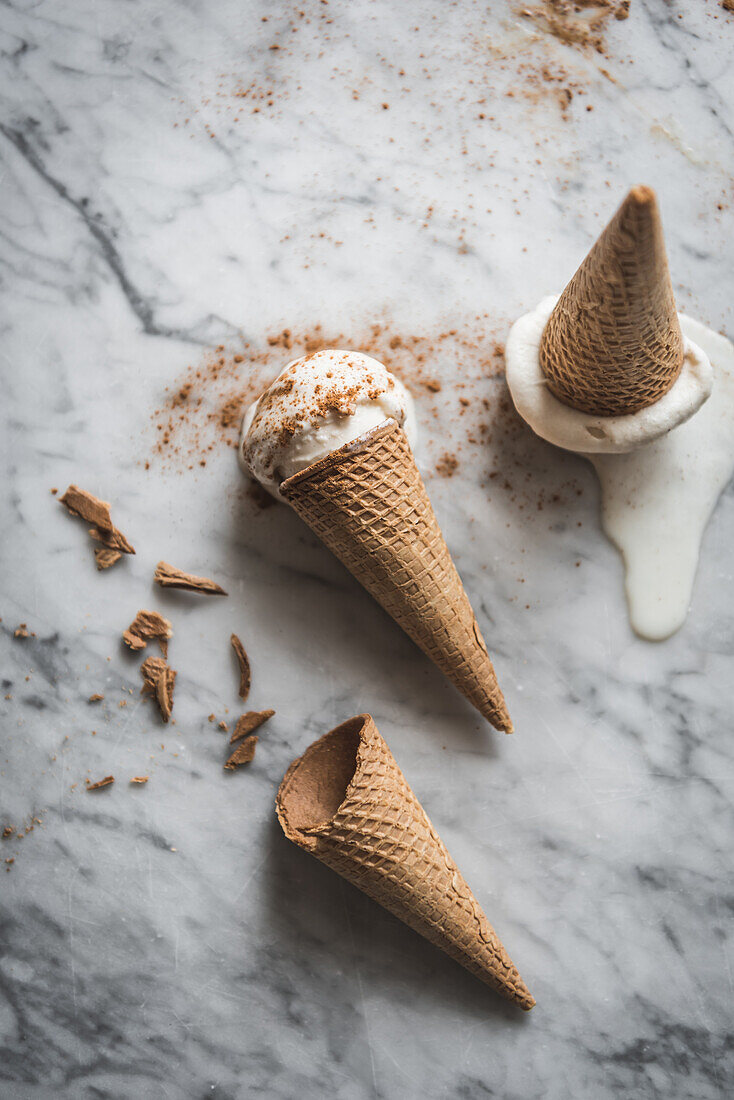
[315, 406]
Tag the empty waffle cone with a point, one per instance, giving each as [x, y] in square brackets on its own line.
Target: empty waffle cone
[368, 504]
[613, 343]
[346, 802]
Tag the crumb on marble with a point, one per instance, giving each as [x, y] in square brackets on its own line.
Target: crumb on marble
[168, 576]
[249, 722]
[243, 754]
[244, 665]
[106, 782]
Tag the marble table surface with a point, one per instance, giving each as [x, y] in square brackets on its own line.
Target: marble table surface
[185, 175]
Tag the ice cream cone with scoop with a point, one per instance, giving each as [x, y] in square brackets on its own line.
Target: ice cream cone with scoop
[610, 370]
[346, 802]
[332, 437]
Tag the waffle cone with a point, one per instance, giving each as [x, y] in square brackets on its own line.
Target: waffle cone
[346, 802]
[613, 343]
[368, 504]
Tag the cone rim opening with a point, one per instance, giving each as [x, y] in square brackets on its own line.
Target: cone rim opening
[342, 454]
[317, 784]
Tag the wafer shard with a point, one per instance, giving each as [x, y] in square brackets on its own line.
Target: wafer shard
[159, 680]
[613, 344]
[346, 802]
[147, 625]
[249, 722]
[243, 754]
[81, 503]
[106, 782]
[105, 558]
[244, 662]
[167, 576]
[368, 504]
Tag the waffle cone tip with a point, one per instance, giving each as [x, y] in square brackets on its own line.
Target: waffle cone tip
[641, 195]
[613, 343]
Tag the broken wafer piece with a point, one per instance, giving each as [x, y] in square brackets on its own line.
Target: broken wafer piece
[97, 512]
[106, 782]
[96, 698]
[105, 557]
[147, 625]
[159, 680]
[139, 779]
[244, 662]
[164, 692]
[249, 722]
[243, 754]
[151, 669]
[167, 576]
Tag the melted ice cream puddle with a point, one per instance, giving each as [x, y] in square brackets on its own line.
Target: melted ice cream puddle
[657, 499]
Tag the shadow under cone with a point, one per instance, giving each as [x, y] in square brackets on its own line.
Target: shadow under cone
[613, 343]
[368, 504]
[346, 802]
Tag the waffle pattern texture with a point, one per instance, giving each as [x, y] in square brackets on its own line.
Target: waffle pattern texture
[613, 344]
[378, 837]
[368, 504]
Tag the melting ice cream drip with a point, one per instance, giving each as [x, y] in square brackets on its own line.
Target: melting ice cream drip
[658, 499]
[611, 371]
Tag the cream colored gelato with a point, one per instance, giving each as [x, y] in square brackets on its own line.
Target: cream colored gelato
[316, 405]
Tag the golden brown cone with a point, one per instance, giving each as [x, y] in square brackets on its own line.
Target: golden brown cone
[346, 802]
[613, 343]
[368, 503]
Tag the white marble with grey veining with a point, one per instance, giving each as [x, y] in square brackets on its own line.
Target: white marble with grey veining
[166, 941]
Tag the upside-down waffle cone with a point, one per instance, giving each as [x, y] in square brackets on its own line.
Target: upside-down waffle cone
[346, 802]
[613, 343]
[368, 503]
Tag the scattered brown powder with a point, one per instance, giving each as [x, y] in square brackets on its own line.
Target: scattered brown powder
[447, 465]
[218, 390]
[579, 23]
[492, 437]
